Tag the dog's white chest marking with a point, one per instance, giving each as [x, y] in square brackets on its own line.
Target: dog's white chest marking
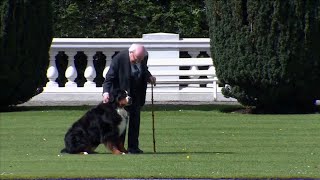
[124, 116]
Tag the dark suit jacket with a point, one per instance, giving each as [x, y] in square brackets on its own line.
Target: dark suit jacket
[118, 76]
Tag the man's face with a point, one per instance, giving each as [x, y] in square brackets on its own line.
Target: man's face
[138, 54]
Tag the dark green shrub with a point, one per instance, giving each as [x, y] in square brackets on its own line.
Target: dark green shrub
[25, 38]
[267, 51]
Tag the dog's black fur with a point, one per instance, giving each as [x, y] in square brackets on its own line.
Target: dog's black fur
[98, 125]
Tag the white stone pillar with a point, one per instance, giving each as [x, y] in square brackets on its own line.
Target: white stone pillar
[194, 54]
[71, 72]
[108, 62]
[163, 52]
[213, 69]
[52, 72]
[90, 72]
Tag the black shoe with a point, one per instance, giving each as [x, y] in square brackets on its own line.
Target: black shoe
[135, 151]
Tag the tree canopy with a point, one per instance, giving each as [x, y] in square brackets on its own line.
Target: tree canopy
[110, 18]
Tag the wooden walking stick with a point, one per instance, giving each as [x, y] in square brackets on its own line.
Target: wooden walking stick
[153, 130]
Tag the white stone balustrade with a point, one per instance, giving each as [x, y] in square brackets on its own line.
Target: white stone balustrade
[90, 72]
[71, 72]
[194, 54]
[159, 46]
[108, 62]
[52, 72]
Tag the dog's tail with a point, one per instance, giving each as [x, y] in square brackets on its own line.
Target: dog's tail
[64, 150]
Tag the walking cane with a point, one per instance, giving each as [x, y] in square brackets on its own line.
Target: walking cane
[153, 130]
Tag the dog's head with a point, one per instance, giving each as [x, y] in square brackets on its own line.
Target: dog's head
[121, 98]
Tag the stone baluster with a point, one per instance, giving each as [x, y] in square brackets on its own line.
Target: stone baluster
[108, 62]
[193, 54]
[213, 69]
[52, 72]
[90, 72]
[71, 72]
[209, 52]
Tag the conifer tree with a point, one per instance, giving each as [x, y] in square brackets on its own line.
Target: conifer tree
[25, 39]
[267, 53]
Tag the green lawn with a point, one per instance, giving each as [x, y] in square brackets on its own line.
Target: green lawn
[219, 144]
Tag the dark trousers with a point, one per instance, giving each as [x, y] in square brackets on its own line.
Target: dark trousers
[134, 125]
[134, 113]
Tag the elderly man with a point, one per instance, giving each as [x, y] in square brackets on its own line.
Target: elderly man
[129, 71]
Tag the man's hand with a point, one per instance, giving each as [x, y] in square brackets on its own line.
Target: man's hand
[152, 80]
[105, 98]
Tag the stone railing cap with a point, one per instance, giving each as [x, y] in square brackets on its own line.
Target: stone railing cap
[160, 36]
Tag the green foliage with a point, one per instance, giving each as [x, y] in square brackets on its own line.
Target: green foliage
[267, 51]
[25, 38]
[109, 18]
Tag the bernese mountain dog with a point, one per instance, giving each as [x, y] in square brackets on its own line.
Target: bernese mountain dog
[103, 124]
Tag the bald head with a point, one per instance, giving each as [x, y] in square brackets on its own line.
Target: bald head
[137, 53]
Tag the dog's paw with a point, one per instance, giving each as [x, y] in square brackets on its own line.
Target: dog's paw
[116, 151]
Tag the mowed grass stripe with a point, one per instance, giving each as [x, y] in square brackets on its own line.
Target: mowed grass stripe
[218, 145]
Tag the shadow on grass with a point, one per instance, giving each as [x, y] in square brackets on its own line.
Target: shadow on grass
[45, 108]
[162, 107]
[224, 108]
[173, 153]
[207, 107]
[177, 153]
